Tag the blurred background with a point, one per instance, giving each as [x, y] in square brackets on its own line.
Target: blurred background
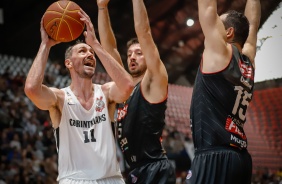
[28, 152]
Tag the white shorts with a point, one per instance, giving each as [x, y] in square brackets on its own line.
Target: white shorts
[111, 180]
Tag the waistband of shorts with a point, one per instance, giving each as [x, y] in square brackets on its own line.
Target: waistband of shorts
[220, 148]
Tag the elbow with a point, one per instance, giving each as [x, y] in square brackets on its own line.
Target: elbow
[29, 89]
[127, 89]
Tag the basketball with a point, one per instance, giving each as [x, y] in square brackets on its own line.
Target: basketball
[62, 21]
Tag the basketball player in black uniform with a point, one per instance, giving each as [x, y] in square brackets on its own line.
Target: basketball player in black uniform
[222, 92]
[141, 118]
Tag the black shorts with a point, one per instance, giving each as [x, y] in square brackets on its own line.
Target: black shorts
[158, 172]
[222, 165]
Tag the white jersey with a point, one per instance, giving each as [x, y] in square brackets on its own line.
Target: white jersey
[85, 142]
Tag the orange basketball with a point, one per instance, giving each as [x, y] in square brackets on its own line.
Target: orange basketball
[62, 22]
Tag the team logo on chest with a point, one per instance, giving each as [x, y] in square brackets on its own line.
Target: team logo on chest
[100, 105]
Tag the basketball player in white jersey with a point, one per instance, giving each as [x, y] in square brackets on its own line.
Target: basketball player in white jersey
[81, 112]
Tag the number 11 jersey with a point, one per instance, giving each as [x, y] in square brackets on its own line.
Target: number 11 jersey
[85, 142]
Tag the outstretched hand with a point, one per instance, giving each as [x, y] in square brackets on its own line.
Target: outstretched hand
[102, 3]
[44, 36]
[89, 34]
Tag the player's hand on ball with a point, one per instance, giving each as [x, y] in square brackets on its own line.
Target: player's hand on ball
[89, 34]
[45, 37]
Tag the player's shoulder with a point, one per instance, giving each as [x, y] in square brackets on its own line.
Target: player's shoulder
[106, 85]
[58, 92]
[249, 51]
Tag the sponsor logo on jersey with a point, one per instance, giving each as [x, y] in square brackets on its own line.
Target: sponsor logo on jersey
[232, 127]
[70, 101]
[247, 71]
[240, 142]
[68, 94]
[123, 144]
[122, 112]
[245, 82]
[100, 105]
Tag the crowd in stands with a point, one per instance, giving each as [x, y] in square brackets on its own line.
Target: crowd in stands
[28, 150]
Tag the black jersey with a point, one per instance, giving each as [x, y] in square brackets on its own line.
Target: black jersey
[219, 104]
[140, 125]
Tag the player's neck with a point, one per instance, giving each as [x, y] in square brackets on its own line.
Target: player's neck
[83, 89]
[236, 45]
[136, 79]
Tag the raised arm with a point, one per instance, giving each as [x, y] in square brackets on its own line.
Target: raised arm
[253, 14]
[216, 49]
[106, 33]
[155, 81]
[212, 26]
[121, 88]
[42, 96]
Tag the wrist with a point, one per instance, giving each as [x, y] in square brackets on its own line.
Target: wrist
[102, 7]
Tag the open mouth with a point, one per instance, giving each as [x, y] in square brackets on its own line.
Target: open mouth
[89, 63]
[132, 65]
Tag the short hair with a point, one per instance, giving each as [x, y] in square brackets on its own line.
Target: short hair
[240, 24]
[132, 41]
[68, 52]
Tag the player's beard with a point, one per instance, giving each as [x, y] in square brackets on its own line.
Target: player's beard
[137, 73]
[87, 75]
[84, 74]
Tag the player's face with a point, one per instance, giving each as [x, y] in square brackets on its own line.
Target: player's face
[136, 60]
[84, 62]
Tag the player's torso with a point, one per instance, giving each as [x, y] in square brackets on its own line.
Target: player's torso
[85, 140]
[219, 104]
[140, 127]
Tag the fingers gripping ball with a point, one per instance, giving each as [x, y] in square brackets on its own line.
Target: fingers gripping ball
[62, 21]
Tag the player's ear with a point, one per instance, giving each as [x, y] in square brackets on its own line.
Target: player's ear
[230, 32]
[68, 63]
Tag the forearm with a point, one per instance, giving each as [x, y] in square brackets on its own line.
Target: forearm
[141, 21]
[145, 38]
[105, 30]
[208, 15]
[35, 75]
[107, 38]
[117, 73]
[253, 13]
